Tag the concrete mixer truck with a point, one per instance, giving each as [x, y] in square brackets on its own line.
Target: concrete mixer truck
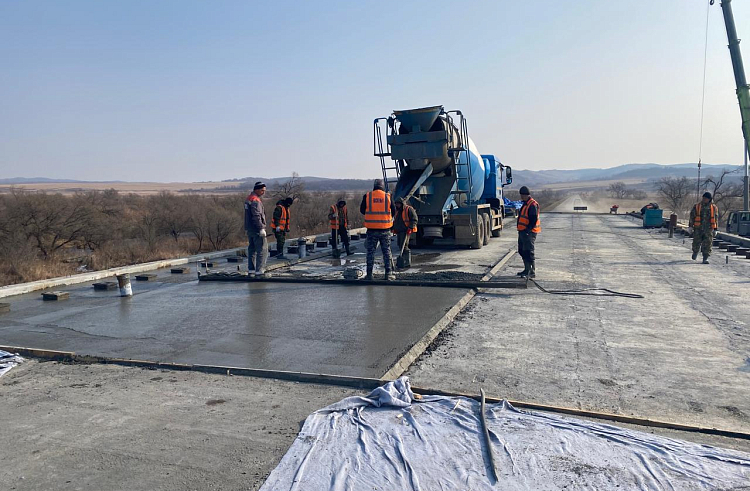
[429, 159]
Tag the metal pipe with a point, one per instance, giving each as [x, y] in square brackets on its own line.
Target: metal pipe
[466, 284]
[746, 183]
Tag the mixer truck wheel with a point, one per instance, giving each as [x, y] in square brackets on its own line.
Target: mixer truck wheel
[479, 237]
[487, 228]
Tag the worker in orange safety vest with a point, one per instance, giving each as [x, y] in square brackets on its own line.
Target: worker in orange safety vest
[339, 219]
[704, 226]
[377, 208]
[528, 226]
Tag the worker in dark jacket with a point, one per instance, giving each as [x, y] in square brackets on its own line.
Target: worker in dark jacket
[280, 224]
[528, 226]
[339, 219]
[255, 226]
[377, 208]
[704, 218]
[404, 224]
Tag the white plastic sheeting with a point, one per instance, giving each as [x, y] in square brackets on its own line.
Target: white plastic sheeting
[389, 441]
[8, 361]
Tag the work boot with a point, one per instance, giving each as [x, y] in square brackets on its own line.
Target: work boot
[532, 270]
[390, 276]
[695, 255]
[348, 251]
[368, 276]
[261, 273]
[705, 258]
[525, 269]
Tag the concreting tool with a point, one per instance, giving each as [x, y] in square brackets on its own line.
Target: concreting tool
[497, 283]
[487, 436]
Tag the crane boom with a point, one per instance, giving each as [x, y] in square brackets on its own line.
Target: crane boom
[743, 90]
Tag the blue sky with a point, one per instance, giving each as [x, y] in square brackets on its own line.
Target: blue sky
[197, 90]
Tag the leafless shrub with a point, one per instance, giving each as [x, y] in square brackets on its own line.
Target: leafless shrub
[676, 191]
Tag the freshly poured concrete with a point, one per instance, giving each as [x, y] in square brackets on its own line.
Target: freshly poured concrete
[342, 330]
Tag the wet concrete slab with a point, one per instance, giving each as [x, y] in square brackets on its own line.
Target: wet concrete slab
[345, 330]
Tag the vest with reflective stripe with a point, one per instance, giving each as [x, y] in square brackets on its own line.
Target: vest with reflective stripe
[283, 220]
[697, 222]
[333, 216]
[338, 217]
[523, 217]
[378, 210]
[406, 219]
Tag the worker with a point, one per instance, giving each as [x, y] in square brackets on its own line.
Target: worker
[378, 209]
[404, 224]
[703, 226]
[528, 226]
[280, 224]
[255, 226]
[339, 219]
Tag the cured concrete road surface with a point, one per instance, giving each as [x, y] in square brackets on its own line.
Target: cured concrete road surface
[680, 354]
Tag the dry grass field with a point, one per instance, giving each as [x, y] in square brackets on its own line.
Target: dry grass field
[140, 188]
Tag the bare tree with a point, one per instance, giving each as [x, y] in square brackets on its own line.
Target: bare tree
[292, 188]
[725, 192]
[618, 190]
[677, 191]
[51, 221]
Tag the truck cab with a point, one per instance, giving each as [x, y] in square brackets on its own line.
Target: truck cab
[739, 223]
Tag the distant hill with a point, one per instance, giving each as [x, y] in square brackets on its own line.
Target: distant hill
[634, 174]
[641, 172]
[312, 183]
[35, 180]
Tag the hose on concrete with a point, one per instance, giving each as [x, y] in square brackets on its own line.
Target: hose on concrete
[594, 292]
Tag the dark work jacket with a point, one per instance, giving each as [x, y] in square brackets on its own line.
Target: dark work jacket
[398, 222]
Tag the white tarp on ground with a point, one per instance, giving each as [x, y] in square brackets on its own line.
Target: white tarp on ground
[8, 361]
[389, 441]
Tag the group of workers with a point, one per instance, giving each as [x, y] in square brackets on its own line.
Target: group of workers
[383, 217]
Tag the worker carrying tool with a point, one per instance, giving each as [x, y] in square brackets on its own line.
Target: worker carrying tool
[339, 218]
[528, 226]
[404, 224]
[280, 224]
[377, 208]
[703, 226]
[255, 226]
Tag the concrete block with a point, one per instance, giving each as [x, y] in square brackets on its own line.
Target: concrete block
[145, 277]
[322, 244]
[724, 245]
[4, 307]
[180, 270]
[310, 247]
[235, 259]
[207, 264]
[292, 249]
[56, 295]
[105, 285]
[741, 251]
[354, 236]
[731, 247]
